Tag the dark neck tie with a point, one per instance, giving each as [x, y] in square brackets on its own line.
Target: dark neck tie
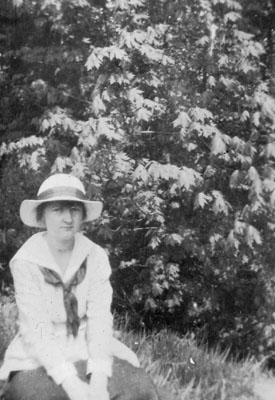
[70, 301]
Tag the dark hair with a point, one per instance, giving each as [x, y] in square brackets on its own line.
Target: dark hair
[41, 208]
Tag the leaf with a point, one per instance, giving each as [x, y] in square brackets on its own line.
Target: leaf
[245, 66]
[269, 185]
[227, 82]
[253, 236]
[59, 165]
[220, 205]
[223, 60]
[234, 5]
[256, 195]
[17, 3]
[157, 171]
[139, 18]
[117, 53]
[231, 241]
[270, 150]
[150, 304]
[268, 107]
[243, 36]
[140, 36]
[45, 125]
[127, 264]
[173, 239]
[255, 49]
[272, 199]
[143, 114]
[3, 150]
[173, 270]
[252, 174]
[157, 289]
[238, 144]
[135, 96]
[98, 105]
[211, 81]
[152, 53]
[218, 145]
[256, 118]
[102, 127]
[214, 239]
[34, 163]
[239, 226]
[94, 61]
[183, 120]
[235, 179]
[123, 167]
[231, 16]
[151, 105]
[201, 200]
[245, 116]
[188, 178]
[122, 4]
[154, 242]
[79, 169]
[203, 40]
[191, 146]
[200, 114]
[170, 304]
[141, 173]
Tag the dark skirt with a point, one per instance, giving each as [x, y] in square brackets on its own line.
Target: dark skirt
[126, 383]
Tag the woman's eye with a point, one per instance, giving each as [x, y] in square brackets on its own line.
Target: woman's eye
[75, 209]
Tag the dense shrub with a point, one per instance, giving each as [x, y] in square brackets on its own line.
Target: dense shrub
[166, 111]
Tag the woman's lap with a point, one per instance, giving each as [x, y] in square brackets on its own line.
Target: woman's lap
[127, 383]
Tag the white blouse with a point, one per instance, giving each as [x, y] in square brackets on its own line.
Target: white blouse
[42, 338]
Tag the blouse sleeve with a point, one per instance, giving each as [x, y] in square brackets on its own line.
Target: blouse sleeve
[99, 317]
[36, 327]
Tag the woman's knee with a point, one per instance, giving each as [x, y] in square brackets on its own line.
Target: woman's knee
[33, 385]
[131, 383]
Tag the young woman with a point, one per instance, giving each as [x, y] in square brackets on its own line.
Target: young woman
[65, 348]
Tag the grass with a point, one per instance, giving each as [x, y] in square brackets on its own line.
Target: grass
[191, 372]
[181, 369]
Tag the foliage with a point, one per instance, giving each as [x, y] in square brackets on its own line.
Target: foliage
[8, 326]
[166, 111]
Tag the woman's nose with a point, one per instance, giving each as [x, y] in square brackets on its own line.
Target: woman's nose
[67, 216]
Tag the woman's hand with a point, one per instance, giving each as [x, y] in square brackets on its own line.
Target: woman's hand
[75, 388]
[98, 387]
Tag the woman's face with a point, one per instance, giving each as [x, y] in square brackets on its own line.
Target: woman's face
[63, 219]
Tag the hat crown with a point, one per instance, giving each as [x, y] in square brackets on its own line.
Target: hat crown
[61, 180]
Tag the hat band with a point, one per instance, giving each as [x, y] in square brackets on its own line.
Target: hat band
[61, 191]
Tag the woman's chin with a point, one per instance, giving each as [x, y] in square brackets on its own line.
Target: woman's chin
[66, 234]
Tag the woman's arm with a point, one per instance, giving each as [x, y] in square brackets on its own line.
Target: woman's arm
[36, 327]
[99, 325]
[99, 317]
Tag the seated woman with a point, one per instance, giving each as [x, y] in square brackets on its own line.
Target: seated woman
[65, 348]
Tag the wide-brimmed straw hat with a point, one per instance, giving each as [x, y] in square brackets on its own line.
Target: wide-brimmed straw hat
[59, 187]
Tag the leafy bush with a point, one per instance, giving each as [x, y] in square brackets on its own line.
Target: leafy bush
[166, 112]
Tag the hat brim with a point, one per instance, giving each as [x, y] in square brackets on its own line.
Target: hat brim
[28, 209]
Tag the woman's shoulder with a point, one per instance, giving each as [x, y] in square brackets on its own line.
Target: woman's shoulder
[30, 248]
[96, 255]
[89, 245]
